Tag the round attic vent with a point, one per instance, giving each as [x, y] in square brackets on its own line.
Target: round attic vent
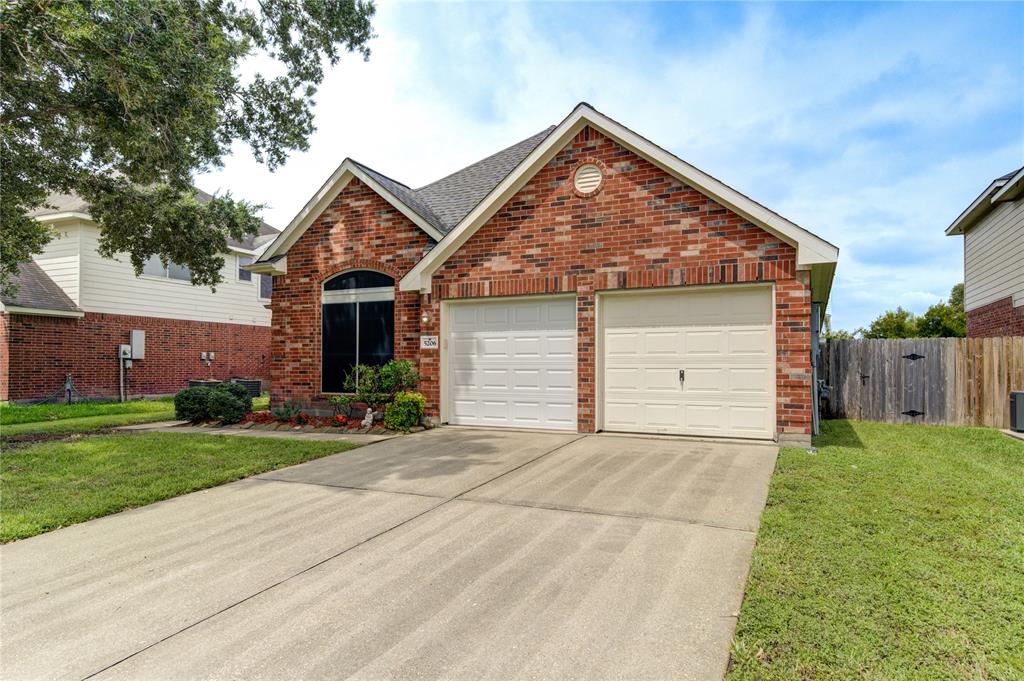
[587, 178]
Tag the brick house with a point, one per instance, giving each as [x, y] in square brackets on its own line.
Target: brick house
[73, 308]
[993, 231]
[583, 279]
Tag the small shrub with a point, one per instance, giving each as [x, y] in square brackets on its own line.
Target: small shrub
[398, 376]
[225, 406]
[405, 411]
[377, 386]
[286, 411]
[342, 405]
[193, 404]
[240, 393]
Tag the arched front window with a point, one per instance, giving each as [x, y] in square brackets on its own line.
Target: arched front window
[358, 324]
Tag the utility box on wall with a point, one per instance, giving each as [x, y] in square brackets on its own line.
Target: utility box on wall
[138, 344]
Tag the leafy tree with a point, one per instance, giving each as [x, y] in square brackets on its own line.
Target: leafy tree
[123, 101]
[941, 320]
[944, 320]
[898, 323]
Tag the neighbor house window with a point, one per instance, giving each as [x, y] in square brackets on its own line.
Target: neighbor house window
[266, 286]
[244, 275]
[358, 325]
[155, 268]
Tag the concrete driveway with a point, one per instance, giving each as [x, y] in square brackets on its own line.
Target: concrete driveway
[455, 553]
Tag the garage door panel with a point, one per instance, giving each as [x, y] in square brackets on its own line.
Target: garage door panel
[561, 380]
[724, 341]
[750, 380]
[513, 364]
[703, 380]
[705, 342]
[749, 342]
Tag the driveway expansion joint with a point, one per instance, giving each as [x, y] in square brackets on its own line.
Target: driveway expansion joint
[609, 514]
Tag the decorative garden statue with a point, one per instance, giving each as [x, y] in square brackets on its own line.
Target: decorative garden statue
[368, 419]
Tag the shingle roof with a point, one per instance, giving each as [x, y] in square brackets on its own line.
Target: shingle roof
[72, 203]
[443, 203]
[37, 291]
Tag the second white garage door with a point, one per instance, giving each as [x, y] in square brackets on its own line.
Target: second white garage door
[512, 363]
[690, 362]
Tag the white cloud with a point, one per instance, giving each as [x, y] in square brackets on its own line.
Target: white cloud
[860, 131]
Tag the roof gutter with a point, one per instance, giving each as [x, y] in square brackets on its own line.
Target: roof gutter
[41, 312]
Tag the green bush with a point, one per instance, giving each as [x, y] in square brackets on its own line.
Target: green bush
[240, 392]
[342, 405]
[405, 411]
[193, 404]
[377, 386]
[226, 407]
[287, 411]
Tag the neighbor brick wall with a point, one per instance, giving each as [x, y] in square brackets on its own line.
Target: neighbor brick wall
[41, 350]
[358, 230]
[1000, 318]
[643, 229]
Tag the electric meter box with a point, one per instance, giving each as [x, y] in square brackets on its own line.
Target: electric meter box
[138, 344]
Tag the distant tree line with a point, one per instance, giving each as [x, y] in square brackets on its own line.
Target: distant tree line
[945, 319]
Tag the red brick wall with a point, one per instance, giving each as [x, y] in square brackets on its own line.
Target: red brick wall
[642, 229]
[4, 359]
[1000, 318]
[359, 230]
[42, 350]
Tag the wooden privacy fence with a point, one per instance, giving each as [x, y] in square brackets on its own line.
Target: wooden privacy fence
[954, 381]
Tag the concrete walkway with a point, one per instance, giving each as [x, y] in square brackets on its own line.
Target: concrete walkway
[454, 553]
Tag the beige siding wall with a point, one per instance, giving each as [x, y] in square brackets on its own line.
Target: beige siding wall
[994, 257]
[111, 286]
[60, 260]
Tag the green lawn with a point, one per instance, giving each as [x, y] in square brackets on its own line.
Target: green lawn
[54, 484]
[895, 552]
[83, 417]
[14, 414]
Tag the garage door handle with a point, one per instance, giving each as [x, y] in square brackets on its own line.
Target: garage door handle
[682, 375]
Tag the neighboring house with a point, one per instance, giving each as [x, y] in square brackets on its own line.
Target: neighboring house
[73, 308]
[583, 279]
[993, 231]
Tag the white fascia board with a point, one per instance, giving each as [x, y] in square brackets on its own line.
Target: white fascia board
[273, 267]
[974, 212]
[811, 249]
[64, 217]
[338, 180]
[41, 312]
[1011, 189]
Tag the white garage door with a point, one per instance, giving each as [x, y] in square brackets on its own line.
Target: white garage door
[693, 363]
[513, 363]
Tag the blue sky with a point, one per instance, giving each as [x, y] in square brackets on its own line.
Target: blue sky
[872, 125]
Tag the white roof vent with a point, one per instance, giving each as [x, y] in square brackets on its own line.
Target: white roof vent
[587, 179]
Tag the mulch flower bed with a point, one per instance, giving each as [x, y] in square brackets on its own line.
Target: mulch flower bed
[264, 420]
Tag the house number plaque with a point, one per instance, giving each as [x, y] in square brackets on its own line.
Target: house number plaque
[428, 342]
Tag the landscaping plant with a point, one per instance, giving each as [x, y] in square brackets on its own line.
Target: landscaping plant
[405, 411]
[193, 404]
[378, 386]
[287, 411]
[226, 407]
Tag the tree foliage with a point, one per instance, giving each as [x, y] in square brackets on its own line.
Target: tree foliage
[123, 101]
[941, 320]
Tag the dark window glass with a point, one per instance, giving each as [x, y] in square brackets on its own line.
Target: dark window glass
[358, 279]
[376, 332]
[339, 345]
[244, 275]
[266, 286]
